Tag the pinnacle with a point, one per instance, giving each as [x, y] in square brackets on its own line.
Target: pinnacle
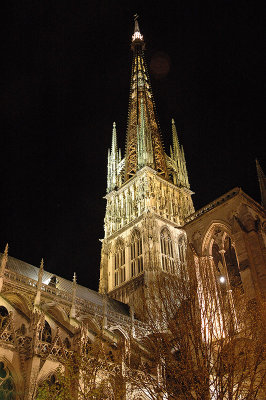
[6, 249]
[75, 278]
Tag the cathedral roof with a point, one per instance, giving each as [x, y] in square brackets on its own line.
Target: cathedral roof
[24, 269]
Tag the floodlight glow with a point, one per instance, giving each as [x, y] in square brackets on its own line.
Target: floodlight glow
[222, 279]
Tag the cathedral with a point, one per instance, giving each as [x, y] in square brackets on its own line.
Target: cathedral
[150, 222]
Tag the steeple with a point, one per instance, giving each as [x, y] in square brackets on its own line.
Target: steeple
[262, 183]
[146, 191]
[142, 114]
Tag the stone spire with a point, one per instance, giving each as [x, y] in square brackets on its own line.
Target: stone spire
[37, 299]
[114, 159]
[177, 153]
[142, 112]
[262, 183]
[3, 266]
[72, 313]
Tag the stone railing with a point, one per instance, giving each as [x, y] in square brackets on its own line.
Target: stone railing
[14, 276]
[86, 305]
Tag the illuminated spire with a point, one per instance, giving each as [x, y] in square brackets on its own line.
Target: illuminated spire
[114, 158]
[114, 139]
[262, 183]
[137, 37]
[176, 147]
[177, 153]
[142, 110]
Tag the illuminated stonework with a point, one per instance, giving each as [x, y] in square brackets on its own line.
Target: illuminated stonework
[149, 225]
[147, 193]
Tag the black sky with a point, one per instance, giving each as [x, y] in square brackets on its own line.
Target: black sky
[66, 73]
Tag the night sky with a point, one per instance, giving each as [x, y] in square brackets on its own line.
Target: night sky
[66, 74]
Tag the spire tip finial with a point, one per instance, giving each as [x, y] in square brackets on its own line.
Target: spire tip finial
[137, 35]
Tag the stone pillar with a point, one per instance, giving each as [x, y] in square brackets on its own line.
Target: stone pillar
[33, 369]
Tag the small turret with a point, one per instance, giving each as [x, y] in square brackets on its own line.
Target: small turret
[72, 313]
[178, 155]
[114, 158]
[37, 299]
[3, 266]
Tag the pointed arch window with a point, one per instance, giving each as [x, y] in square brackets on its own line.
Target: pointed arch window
[119, 263]
[46, 333]
[136, 256]
[3, 317]
[168, 263]
[7, 386]
[226, 263]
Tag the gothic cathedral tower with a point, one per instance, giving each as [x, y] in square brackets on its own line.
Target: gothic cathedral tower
[148, 195]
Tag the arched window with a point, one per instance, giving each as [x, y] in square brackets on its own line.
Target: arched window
[47, 333]
[7, 387]
[119, 263]
[168, 263]
[136, 257]
[225, 261]
[3, 318]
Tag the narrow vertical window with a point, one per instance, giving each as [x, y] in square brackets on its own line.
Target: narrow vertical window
[167, 253]
[136, 257]
[119, 266]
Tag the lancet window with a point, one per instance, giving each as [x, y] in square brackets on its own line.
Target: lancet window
[136, 256]
[46, 333]
[7, 387]
[225, 261]
[168, 263]
[3, 316]
[119, 263]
